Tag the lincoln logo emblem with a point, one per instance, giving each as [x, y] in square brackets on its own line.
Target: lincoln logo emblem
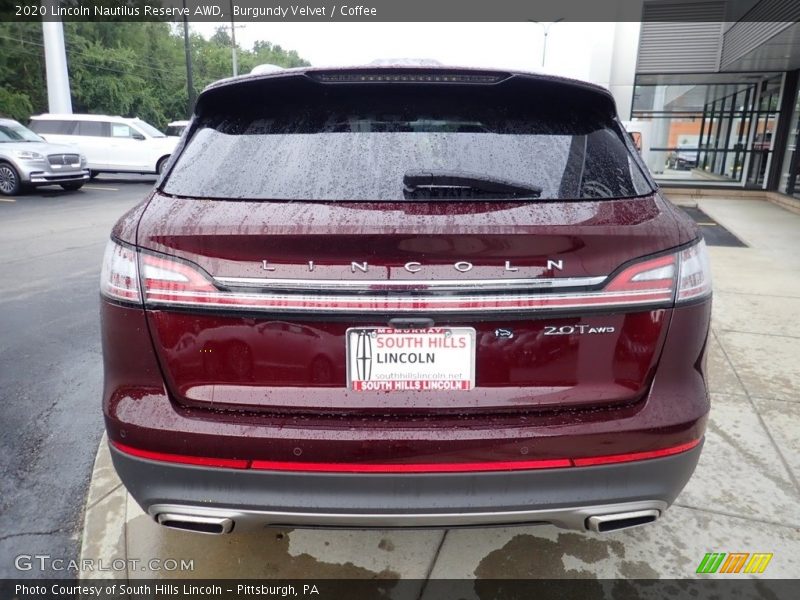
[364, 356]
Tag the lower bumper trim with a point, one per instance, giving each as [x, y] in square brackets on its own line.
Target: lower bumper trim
[578, 518]
[59, 178]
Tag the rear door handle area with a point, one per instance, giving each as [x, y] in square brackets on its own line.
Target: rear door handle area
[410, 323]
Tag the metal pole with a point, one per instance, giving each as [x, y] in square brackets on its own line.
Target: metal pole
[544, 45]
[546, 30]
[55, 59]
[234, 58]
[187, 50]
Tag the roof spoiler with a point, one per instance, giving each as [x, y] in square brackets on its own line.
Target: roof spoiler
[403, 76]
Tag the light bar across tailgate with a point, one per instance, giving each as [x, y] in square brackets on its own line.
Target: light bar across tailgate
[164, 282]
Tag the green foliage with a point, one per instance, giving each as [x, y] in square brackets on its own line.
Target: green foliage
[128, 69]
[15, 104]
[22, 88]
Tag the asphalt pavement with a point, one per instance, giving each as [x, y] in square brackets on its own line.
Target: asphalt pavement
[51, 248]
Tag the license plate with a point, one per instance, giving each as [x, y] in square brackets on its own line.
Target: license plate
[394, 360]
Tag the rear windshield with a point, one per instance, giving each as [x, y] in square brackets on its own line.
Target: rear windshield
[373, 143]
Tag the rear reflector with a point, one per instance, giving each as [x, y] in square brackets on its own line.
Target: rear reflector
[226, 463]
[457, 467]
[633, 456]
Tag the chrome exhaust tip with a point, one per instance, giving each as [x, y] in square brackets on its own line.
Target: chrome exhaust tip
[196, 523]
[623, 520]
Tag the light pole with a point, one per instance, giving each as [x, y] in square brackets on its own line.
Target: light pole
[546, 27]
[234, 52]
[55, 60]
[188, 51]
[234, 58]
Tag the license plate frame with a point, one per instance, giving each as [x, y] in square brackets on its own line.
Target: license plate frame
[367, 351]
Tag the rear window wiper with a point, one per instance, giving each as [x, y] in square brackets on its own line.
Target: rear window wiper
[461, 184]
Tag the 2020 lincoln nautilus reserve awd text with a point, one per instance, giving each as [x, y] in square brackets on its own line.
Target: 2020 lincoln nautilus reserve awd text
[405, 296]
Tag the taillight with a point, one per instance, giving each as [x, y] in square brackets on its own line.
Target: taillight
[651, 281]
[163, 281]
[656, 279]
[172, 281]
[694, 278]
[119, 278]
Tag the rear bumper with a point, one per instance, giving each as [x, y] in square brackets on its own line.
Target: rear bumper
[249, 500]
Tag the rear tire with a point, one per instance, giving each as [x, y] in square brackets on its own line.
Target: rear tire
[10, 184]
[72, 187]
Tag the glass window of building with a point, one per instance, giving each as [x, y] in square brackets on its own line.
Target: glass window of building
[710, 133]
[788, 182]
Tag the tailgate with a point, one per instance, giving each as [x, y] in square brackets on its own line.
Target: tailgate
[286, 280]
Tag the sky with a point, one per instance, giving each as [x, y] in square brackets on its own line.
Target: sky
[501, 45]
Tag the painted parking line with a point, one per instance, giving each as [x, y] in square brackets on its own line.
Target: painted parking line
[8, 200]
[95, 187]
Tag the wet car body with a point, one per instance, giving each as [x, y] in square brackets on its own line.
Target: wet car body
[233, 402]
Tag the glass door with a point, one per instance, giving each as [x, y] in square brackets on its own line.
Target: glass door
[789, 169]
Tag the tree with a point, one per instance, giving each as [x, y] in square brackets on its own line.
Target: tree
[129, 69]
[22, 87]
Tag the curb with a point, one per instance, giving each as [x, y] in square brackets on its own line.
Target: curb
[103, 552]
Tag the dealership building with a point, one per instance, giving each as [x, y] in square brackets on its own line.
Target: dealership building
[712, 88]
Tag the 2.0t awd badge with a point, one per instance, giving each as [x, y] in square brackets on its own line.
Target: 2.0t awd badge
[573, 329]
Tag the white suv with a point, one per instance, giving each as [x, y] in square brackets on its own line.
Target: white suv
[111, 144]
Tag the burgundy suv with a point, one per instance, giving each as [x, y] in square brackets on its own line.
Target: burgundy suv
[405, 297]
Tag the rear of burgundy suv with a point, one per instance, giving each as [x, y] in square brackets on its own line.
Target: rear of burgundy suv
[405, 297]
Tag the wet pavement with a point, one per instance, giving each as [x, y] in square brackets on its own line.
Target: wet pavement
[51, 249]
